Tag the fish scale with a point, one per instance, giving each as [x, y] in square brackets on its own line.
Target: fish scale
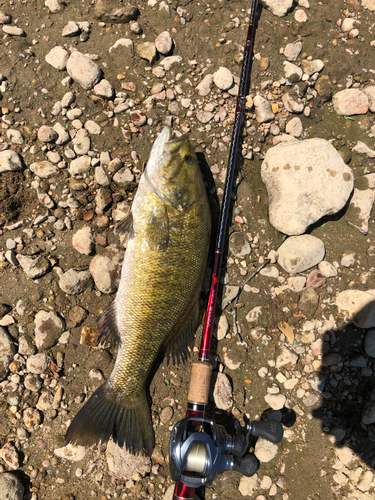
[156, 305]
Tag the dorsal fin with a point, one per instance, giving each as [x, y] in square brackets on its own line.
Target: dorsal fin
[107, 326]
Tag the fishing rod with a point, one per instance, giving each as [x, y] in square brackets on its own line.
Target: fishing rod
[200, 448]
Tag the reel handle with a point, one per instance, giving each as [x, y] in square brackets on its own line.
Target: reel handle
[272, 430]
[248, 466]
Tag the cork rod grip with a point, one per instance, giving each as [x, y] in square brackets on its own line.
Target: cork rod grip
[200, 383]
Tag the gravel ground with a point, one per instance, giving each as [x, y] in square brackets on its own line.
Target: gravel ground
[85, 89]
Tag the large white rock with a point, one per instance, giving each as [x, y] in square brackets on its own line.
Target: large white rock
[57, 57]
[305, 180]
[299, 253]
[358, 307]
[10, 161]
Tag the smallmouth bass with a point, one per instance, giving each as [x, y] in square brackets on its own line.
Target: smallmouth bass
[157, 302]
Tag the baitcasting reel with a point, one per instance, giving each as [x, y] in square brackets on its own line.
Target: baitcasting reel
[199, 449]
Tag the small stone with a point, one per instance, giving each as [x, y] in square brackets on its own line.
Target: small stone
[350, 102]
[310, 400]
[71, 452]
[32, 417]
[101, 177]
[92, 127]
[276, 401]
[105, 268]
[292, 51]
[138, 118]
[83, 70]
[103, 89]
[34, 267]
[7, 351]
[279, 8]
[296, 283]
[223, 327]
[293, 73]
[14, 30]
[299, 253]
[53, 6]
[123, 176]
[164, 43]
[327, 269]
[291, 104]
[74, 282]
[204, 116]
[330, 359]
[147, 51]
[344, 454]
[123, 46]
[68, 99]
[71, 29]
[83, 240]
[248, 485]
[10, 456]
[265, 450]
[33, 382]
[79, 165]
[170, 61]
[15, 136]
[286, 357]
[368, 414]
[223, 78]
[47, 134]
[366, 480]
[62, 133]
[308, 302]
[166, 415]
[81, 142]
[263, 110]
[48, 328]
[10, 161]
[123, 464]
[222, 391]
[44, 169]
[204, 87]
[11, 486]
[37, 363]
[315, 280]
[294, 127]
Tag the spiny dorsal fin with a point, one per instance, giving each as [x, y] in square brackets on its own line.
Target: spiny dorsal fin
[125, 227]
[107, 326]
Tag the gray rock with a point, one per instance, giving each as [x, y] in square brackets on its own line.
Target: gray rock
[14, 30]
[123, 45]
[48, 328]
[222, 392]
[293, 73]
[7, 351]
[368, 414]
[33, 382]
[164, 43]
[276, 401]
[74, 281]
[265, 450]
[71, 29]
[223, 78]
[123, 176]
[68, 99]
[311, 67]
[45, 199]
[204, 87]
[53, 6]
[360, 207]
[204, 116]
[327, 269]
[305, 180]
[111, 11]
[11, 257]
[299, 253]
[15, 136]
[279, 8]
[101, 177]
[83, 240]
[292, 51]
[229, 294]
[11, 487]
[123, 464]
[37, 363]
[81, 142]
[292, 104]
[370, 92]
[79, 165]
[286, 357]
[10, 161]
[248, 485]
[57, 57]
[5, 18]
[34, 267]
[358, 306]
[83, 70]
[239, 246]
[105, 268]
[103, 89]
[92, 127]
[294, 127]
[170, 61]
[44, 169]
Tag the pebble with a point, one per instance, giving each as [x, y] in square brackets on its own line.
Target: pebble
[358, 306]
[53, 6]
[9, 454]
[350, 102]
[44, 169]
[83, 70]
[204, 116]
[164, 43]
[204, 87]
[105, 268]
[170, 61]
[315, 280]
[104, 89]
[33, 382]
[348, 260]
[37, 363]
[292, 104]
[368, 414]
[68, 99]
[265, 451]
[147, 51]
[48, 328]
[299, 253]
[47, 134]
[101, 177]
[276, 401]
[83, 241]
[359, 212]
[123, 176]
[223, 78]
[11, 486]
[248, 485]
[222, 392]
[123, 464]
[7, 351]
[292, 51]
[81, 142]
[123, 45]
[15, 136]
[223, 327]
[295, 202]
[32, 417]
[279, 8]
[71, 452]
[62, 134]
[71, 29]
[92, 127]
[263, 110]
[79, 165]
[327, 269]
[293, 73]
[369, 343]
[286, 358]
[294, 127]
[270, 272]
[34, 267]
[10, 161]
[297, 283]
[74, 282]
[14, 30]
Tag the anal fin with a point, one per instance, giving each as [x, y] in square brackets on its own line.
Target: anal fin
[107, 326]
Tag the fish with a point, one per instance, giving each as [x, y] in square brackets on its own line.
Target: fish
[156, 306]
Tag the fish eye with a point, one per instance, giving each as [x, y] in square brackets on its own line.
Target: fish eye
[188, 159]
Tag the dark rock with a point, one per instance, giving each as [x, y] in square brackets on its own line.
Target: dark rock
[99, 360]
[324, 88]
[110, 11]
[308, 302]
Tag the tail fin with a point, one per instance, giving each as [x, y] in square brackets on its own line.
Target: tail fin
[107, 413]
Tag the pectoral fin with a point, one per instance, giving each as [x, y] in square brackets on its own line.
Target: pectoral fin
[107, 326]
[177, 344]
[125, 227]
[156, 235]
